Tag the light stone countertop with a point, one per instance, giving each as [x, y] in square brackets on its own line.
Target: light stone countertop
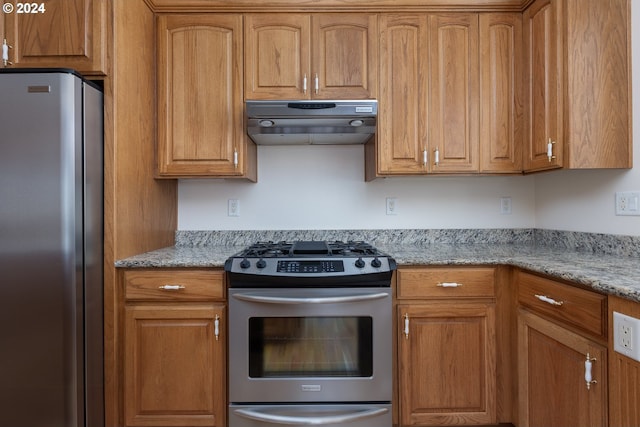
[609, 274]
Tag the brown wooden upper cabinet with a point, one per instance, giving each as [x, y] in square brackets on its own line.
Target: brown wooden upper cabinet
[431, 102]
[58, 34]
[311, 56]
[577, 87]
[200, 104]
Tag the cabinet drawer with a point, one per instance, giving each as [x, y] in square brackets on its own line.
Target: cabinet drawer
[463, 282]
[174, 284]
[581, 308]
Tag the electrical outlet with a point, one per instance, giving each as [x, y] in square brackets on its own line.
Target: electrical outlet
[233, 207]
[626, 335]
[505, 206]
[628, 203]
[392, 205]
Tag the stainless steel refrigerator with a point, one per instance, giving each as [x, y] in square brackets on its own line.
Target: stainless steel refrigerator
[51, 247]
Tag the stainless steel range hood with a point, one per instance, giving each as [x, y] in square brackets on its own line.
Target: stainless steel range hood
[311, 122]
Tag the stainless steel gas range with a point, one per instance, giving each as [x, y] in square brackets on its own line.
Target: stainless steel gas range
[310, 335]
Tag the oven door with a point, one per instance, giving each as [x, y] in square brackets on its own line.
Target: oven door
[310, 345]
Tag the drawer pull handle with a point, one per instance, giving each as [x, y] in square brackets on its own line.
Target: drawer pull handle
[171, 287]
[449, 285]
[588, 363]
[548, 300]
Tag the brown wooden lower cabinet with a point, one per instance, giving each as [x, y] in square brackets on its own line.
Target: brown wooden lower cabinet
[447, 364]
[553, 390]
[446, 346]
[174, 349]
[560, 346]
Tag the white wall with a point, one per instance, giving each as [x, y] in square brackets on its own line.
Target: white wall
[323, 188]
[584, 200]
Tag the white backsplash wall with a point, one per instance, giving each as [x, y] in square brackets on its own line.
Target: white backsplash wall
[585, 200]
[323, 187]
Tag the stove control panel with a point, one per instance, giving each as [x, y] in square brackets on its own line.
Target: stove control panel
[308, 266]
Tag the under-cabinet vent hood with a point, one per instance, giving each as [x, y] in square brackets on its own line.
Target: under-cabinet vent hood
[311, 122]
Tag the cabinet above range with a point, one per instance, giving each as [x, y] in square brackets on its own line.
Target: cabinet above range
[311, 56]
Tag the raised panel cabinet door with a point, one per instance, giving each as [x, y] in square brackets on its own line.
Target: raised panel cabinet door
[344, 56]
[174, 365]
[453, 99]
[543, 86]
[277, 56]
[402, 106]
[200, 104]
[58, 34]
[501, 113]
[447, 363]
[553, 391]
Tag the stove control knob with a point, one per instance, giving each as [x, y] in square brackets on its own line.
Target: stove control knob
[376, 263]
[261, 263]
[360, 263]
[245, 264]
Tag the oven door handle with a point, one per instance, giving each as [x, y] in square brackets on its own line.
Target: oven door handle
[255, 414]
[318, 300]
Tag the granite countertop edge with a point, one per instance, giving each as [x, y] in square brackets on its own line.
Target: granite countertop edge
[609, 274]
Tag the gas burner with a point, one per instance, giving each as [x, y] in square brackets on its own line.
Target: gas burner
[356, 248]
[309, 248]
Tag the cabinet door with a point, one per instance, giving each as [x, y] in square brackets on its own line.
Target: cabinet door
[551, 376]
[402, 118]
[543, 86]
[277, 56]
[344, 56]
[453, 101]
[67, 34]
[174, 365]
[447, 364]
[501, 117]
[200, 105]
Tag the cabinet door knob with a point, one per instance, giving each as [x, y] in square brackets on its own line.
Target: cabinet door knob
[304, 83]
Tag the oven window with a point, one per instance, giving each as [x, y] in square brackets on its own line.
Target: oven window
[310, 347]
